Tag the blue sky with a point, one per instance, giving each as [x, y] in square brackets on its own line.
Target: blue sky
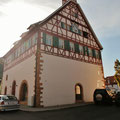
[103, 15]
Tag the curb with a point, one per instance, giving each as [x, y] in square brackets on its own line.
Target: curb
[32, 109]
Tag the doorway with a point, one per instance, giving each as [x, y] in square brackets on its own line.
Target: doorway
[13, 88]
[24, 93]
[78, 93]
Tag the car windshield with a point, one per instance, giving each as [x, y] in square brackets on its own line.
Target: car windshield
[9, 98]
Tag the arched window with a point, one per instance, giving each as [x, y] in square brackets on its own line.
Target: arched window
[78, 93]
[13, 87]
[5, 92]
[24, 92]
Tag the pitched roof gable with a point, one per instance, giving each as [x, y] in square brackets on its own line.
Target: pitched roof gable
[62, 7]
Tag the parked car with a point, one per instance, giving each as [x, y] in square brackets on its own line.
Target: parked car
[8, 102]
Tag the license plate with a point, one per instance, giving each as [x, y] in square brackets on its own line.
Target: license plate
[13, 102]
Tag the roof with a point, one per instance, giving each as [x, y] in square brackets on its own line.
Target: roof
[40, 23]
[58, 10]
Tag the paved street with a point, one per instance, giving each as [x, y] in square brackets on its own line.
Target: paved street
[88, 112]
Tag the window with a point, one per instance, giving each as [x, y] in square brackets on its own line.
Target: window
[81, 49]
[85, 34]
[74, 27]
[67, 45]
[55, 41]
[18, 52]
[72, 48]
[86, 50]
[61, 43]
[93, 53]
[62, 25]
[76, 15]
[90, 52]
[29, 43]
[97, 54]
[47, 39]
[6, 77]
[34, 41]
[68, 27]
[77, 50]
[79, 32]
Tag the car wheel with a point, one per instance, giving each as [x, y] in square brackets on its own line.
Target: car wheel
[98, 98]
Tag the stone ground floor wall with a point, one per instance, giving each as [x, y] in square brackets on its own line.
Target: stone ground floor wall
[24, 71]
[60, 75]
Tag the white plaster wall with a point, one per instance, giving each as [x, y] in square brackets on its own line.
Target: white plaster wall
[60, 75]
[22, 71]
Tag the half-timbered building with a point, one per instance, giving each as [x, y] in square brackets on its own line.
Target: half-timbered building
[57, 61]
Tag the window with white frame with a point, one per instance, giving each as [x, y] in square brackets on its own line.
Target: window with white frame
[72, 47]
[61, 43]
[97, 54]
[90, 52]
[48, 39]
[81, 49]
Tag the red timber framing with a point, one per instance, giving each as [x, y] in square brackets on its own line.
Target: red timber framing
[28, 53]
[53, 28]
[70, 13]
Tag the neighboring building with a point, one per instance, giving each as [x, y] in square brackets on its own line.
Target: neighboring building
[1, 69]
[58, 61]
[110, 82]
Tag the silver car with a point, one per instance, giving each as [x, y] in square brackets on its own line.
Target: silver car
[8, 102]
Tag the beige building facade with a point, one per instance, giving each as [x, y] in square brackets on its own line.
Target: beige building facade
[58, 61]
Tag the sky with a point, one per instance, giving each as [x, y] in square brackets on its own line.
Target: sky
[103, 15]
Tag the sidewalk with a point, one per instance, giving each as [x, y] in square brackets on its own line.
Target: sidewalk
[32, 109]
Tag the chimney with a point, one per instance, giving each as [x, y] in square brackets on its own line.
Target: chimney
[64, 1]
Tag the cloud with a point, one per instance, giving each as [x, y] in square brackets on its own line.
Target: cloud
[2, 2]
[51, 4]
[1, 13]
[103, 15]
